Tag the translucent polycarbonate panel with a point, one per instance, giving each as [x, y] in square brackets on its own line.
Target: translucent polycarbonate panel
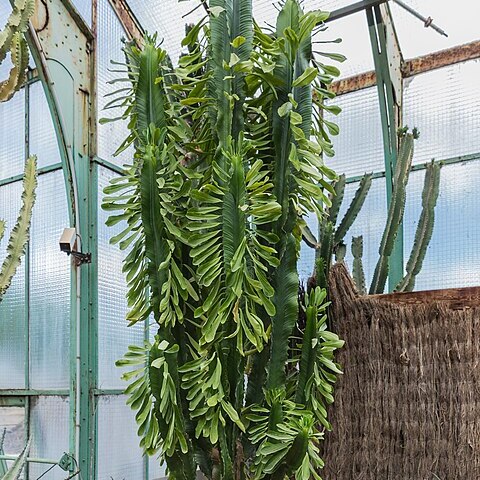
[168, 19]
[114, 336]
[12, 135]
[84, 7]
[369, 223]
[119, 455]
[12, 307]
[445, 106]
[12, 421]
[156, 471]
[459, 21]
[453, 259]
[49, 287]
[109, 47]
[42, 137]
[355, 44]
[359, 145]
[49, 432]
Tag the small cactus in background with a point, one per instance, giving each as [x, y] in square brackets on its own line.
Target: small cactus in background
[331, 238]
[12, 40]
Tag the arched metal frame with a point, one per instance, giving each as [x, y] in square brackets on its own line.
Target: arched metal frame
[63, 46]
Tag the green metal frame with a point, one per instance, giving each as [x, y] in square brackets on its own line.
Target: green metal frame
[69, 80]
[387, 56]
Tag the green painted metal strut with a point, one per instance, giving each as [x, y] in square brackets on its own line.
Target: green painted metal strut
[387, 59]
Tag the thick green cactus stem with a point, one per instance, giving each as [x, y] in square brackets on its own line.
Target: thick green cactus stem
[337, 199]
[358, 272]
[17, 23]
[17, 75]
[424, 230]
[354, 208]
[20, 233]
[395, 212]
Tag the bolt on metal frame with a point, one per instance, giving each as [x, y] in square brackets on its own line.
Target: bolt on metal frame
[64, 48]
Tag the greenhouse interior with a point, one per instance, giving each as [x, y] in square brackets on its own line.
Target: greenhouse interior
[239, 239]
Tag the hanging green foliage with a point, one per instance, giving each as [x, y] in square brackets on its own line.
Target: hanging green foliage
[227, 164]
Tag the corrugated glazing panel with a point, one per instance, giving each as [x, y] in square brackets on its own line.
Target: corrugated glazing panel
[49, 287]
[12, 430]
[169, 21]
[445, 106]
[119, 455]
[12, 135]
[49, 430]
[453, 257]
[109, 47]
[359, 145]
[43, 140]
[355, 44]
[459, 21]
[12, 307]
[156, 471]
[114, 336]
[369, 223]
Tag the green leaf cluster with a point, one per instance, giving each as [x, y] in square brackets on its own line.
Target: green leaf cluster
[228, 160]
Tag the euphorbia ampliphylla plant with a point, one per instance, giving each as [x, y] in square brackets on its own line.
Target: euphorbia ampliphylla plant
[228, 162]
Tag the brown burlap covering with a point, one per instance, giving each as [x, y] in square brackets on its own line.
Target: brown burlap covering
[408, 404]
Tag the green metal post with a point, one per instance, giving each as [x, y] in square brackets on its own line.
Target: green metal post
[389, 86]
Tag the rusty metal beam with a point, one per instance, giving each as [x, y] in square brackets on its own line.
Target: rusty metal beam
[128, 20]
[412, 67]
[443, 58]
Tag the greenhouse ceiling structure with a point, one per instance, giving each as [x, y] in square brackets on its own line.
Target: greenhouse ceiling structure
[62, 323]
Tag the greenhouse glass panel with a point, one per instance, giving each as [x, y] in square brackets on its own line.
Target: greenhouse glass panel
[12, 308]
[445, 106]
[119, 456]
[42, 137]
[459, 22]
[12, 425]
[110, 35]
[49, 431]
[359, 146]
[84, 7]
[49, 287]
[453, 259]
[370, 223]
[12, 138]
[113, 335]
